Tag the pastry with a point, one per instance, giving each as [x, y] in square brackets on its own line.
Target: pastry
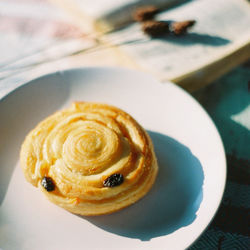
[90, 159]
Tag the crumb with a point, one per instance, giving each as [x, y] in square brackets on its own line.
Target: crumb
[180, 28]
[145, 13]
[155, 28]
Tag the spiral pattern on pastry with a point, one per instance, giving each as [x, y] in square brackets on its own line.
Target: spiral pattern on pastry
[79, 148]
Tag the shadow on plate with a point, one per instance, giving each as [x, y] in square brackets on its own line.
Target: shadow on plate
[20, 111]
[171, 204]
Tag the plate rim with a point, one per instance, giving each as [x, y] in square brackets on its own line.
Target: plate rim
[196, 236]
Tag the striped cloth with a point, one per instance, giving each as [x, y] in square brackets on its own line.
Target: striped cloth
[228, 103]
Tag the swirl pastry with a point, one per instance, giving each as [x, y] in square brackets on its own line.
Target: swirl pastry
[90, 159]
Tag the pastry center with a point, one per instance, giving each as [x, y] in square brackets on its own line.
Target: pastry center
[91, 144]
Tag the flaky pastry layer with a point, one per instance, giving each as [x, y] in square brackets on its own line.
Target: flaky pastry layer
[79, 148]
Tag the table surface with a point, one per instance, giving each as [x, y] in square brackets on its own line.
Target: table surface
[28, 52]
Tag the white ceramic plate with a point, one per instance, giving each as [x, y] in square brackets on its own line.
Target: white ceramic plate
[181, 204]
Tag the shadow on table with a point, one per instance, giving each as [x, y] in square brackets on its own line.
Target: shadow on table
[195, 38]
[225, 100]
[20, 111]
[171, 204]
[187, 39]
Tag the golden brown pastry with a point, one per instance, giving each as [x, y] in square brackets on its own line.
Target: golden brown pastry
[90, 159]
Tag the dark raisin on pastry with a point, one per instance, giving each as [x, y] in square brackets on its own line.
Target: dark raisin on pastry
[48, 184]
[113, 180]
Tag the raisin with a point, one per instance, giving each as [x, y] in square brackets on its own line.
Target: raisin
[48, 184]
[113, 180]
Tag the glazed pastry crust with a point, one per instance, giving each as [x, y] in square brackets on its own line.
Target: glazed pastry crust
[82, 146]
